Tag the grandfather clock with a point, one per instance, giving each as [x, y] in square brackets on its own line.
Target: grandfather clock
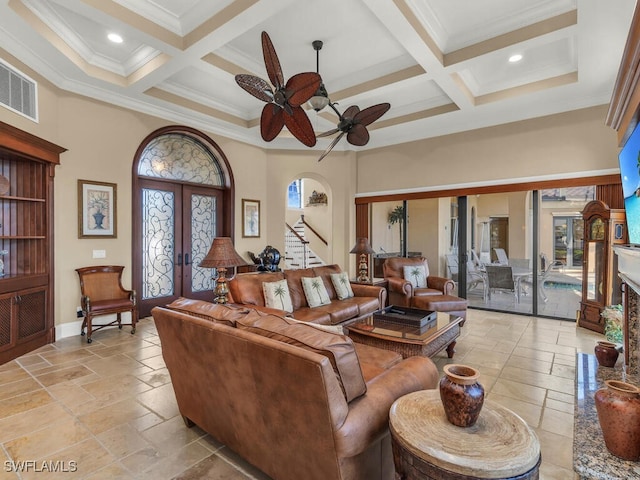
[603, 228]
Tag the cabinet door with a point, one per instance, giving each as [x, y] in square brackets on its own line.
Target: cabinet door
[6, 336]
[30, 313]
[22, 317]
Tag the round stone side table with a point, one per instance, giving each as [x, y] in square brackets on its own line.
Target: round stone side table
[427, 447]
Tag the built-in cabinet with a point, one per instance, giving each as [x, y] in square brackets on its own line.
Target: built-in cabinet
[27, 167]
[604, 227]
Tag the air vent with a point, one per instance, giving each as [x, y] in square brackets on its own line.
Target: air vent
[18, 92]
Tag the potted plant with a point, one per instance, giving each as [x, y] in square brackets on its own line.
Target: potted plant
[612, 315]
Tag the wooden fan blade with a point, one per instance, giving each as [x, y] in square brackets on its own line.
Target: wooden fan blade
[300, 127]
[351, 112]
[301, 88]
[330, 147]
[358, 135]
[256, 86]
[371, 114]
[329, 133]
[271, 121]
[271, 62]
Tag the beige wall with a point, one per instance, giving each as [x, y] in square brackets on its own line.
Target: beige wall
[560, 145]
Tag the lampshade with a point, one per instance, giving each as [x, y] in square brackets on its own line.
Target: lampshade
[222, 254]
[362, 246]
[320, 99]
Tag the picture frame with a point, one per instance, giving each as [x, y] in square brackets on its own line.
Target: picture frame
[250, 218]
[97, 209]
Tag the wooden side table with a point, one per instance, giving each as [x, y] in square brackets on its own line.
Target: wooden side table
[427, 447]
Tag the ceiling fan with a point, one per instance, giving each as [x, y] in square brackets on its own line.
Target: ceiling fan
[284, 103]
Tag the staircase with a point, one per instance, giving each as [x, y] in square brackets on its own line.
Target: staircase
[297, 252]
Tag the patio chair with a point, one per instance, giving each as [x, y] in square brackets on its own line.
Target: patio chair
[501, 255]
[475, 277]
[500, 277]
[452, 266]
[555, 265]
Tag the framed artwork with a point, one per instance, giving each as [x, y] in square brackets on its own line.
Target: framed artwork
[97, 209]
[250, 218]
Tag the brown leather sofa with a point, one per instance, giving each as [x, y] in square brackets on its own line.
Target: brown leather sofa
[291, 398]
[246, 289]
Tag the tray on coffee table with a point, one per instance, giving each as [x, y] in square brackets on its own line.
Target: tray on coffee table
[406, 316]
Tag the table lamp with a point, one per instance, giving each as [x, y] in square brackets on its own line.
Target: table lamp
[221, 255]
[362, 248]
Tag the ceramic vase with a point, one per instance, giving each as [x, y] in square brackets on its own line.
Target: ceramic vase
[606, 353]
[618, 407]
[461, 394]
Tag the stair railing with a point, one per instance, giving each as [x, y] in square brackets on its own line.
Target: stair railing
[296, 246]
[313, 230]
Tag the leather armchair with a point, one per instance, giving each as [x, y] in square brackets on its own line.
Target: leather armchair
[401, 291]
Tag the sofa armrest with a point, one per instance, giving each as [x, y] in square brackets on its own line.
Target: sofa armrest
[361, 290]
[400, 286]
[368, 416]
[445, 285]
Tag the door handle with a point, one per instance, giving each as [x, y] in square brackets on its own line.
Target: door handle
[186, 259]
[179, 262]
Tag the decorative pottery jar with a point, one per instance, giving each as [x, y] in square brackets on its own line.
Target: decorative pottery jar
[606, 353]
[618, 407]
[461, 394]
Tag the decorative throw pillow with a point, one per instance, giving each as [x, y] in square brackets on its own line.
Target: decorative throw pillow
[276, 295]
[342, 285]
[315, 291]
[416, 274]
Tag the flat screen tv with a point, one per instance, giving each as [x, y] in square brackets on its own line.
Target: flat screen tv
[630, 172]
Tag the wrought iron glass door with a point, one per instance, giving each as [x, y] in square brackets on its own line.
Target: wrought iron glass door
[178, 225]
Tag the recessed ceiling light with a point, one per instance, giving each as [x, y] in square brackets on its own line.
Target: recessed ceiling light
[115, 38]
[515, 58]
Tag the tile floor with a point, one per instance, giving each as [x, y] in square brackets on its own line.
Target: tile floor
[108, 409]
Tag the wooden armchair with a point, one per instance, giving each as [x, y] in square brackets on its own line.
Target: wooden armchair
[401, 290]
[103, 294]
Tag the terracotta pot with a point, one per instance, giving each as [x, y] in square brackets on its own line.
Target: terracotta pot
[618, 407]
[606, 353]
[461, 394]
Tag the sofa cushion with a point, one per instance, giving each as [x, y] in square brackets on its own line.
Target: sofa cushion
[294, 280]
[246, 288]
[340, 310]
[342, 285]
[227, 314]
[339, 349]
[374, 360]
[312, 315]
[416, 275]
[325, 272]
[315, 292]
[276, 295]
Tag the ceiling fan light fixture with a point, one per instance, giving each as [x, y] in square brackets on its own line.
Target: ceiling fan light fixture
[320, 99]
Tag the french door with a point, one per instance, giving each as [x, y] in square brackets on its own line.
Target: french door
[176, 227]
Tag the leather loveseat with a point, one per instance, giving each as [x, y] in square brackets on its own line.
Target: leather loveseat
[246, 289]
[290, 397]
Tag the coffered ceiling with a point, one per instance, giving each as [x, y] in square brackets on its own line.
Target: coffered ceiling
[442, 64]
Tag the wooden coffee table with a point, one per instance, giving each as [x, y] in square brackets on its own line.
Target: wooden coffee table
[408, 340]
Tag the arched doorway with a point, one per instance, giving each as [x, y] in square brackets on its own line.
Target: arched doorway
[182, 200]
[309, 222]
